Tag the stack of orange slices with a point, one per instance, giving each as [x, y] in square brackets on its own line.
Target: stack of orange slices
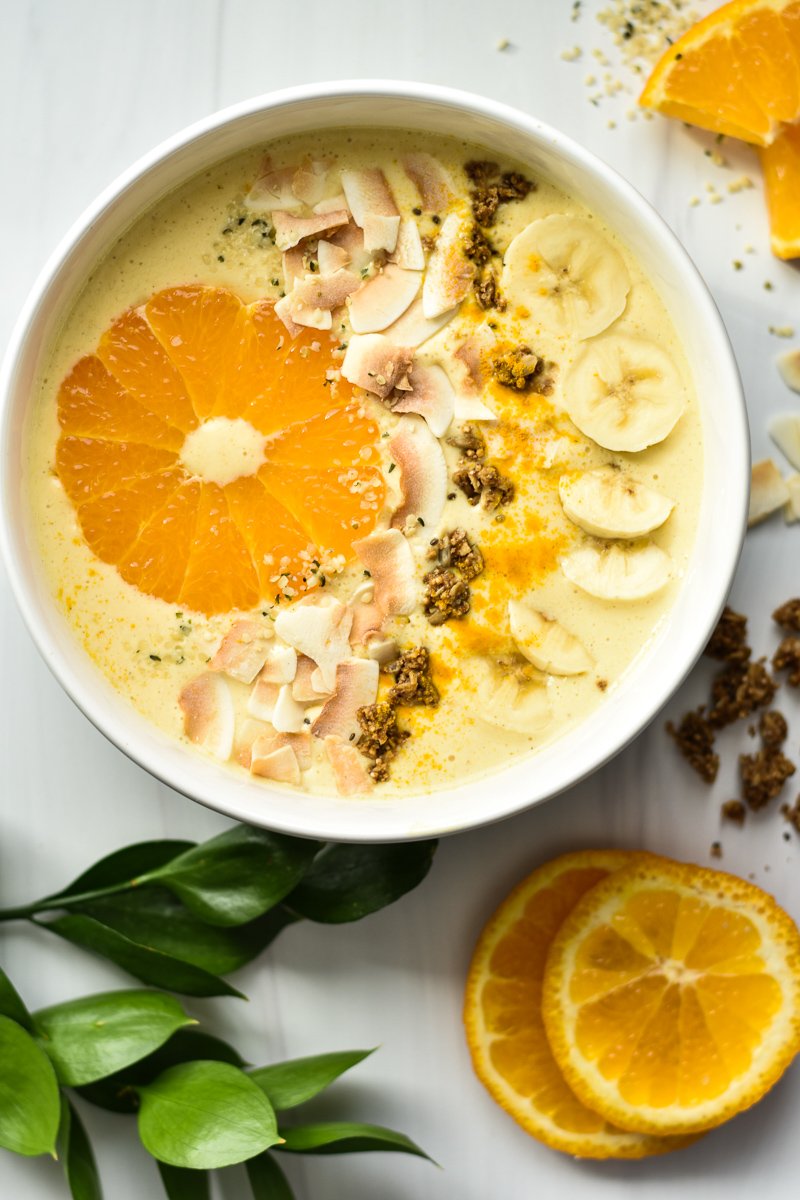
[737, 72]
[619, 1004]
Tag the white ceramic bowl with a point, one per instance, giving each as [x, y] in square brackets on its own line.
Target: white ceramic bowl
[656, 673]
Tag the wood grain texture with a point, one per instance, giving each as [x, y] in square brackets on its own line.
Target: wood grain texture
[84, 88]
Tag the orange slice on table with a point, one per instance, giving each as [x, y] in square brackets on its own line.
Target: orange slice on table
[736, 72]
[672, 997]
[781, 166]
[209, 457]
[503, 1019]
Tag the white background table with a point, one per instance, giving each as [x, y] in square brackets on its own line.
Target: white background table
[87, 86]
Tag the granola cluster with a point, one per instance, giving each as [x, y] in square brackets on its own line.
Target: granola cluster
[381, 737]
[522, 370]
[477, 479]
[490, 189]
[412, 679]
[447, 590]
[743, 687]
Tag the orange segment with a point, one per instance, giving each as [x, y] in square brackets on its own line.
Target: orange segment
[92, 404]
[139, 363]
[736, 72]
[195, 355]
[502, 1012]
[704, 1015]
[781, 164]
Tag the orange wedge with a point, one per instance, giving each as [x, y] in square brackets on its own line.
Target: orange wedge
[736, 72]
[671, 997]
[502, 1013]
[194, 361]
[781, 166]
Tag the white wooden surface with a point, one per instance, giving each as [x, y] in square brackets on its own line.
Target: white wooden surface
[85, 87]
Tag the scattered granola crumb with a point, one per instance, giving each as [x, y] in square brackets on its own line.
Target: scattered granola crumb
[773, 729]
[763, 776]
[716, 850]
[488, 294]
[380, 737]
[477, 247]
[412, 679]
[479, 481]
[517, 368]
[788, 615]
[694, 738]
[470, 441]
[487, 196]
[792, 814]
[454, 549]
[787, 657]
[738, 691]
[728, 642]
[734, 810]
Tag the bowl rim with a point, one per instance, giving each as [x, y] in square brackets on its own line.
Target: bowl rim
[511, 801]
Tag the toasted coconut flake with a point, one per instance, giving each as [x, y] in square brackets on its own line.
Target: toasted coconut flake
[431, 179]
[768, 491]
[262, 700]
[331, 257]
[308, 181]
[471, 364]
[295, 315]
[288, 715]
[373, 207]
[351, 239]
[383, 298]
[408, 252]
[387, 556]
[273, 190]
[320, 630]
[356, 686]
[322, 291]
[302, 685]
[291, 228]
[283, 310]
[279, 764]
[423, 474]
[331, 204]
[785, 433]
[367, 619]
[792, 509]
[243, 650]
[349, 771]
[246, 733]
[384, 650]
[789, 367]
[375, 363]
[208, 716]
[294, 266]
[414, 328]
[280, 665]
[431, 396]
[450, 273]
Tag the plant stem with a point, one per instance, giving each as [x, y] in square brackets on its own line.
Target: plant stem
[65, 900]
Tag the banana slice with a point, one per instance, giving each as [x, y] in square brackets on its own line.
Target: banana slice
[545, 643]
[512, 704]
[624, 393]
[567, 274]
[610, 504]
[615, 573]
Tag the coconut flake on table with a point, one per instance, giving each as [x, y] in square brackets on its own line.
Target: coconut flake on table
[372, 204]
[208, 714]
[784, 429]
[768, 491]
[423, 474]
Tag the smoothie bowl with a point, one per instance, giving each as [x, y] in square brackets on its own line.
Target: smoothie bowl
[375, 462]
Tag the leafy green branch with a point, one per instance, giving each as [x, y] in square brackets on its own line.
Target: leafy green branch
[197, 1105]
[181, 916]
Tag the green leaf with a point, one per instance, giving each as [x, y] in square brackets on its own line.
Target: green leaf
[90, 1038]
[290, 1083]
[77, 1156]
[149, 965]
[204, 1115]
[348, 882]
[117, 1092]
[346, 1137]
[11, 1004]
[237, 876]
[267, 1180]
[153, 917]
[30, 1106]
[123, 866]
[181, 1184]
